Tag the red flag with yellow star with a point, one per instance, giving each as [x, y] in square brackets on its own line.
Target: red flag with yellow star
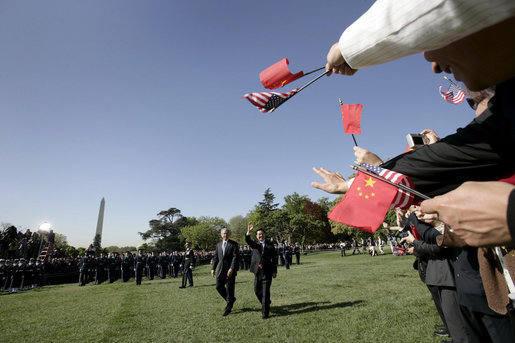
[365, 204]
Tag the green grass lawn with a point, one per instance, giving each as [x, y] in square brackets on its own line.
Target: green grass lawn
[327, 298]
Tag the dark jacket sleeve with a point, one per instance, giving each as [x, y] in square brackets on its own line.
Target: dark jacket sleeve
[215, 259]
[250, 242]
[482, 151]
[423, 249]
[235, 263]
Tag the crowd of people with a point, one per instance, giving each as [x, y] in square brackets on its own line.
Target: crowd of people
[463, 236]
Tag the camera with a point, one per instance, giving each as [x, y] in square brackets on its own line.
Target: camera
[415, 140]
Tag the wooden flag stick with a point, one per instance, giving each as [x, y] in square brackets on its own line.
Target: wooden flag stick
[404, 188]
[353, 138]
[301, 88]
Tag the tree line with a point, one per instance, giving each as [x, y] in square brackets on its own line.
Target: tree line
[298, 219]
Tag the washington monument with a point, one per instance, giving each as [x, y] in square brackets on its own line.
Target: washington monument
[100, 222]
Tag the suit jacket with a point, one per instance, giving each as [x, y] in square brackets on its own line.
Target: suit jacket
[229, 260]
[267, 259]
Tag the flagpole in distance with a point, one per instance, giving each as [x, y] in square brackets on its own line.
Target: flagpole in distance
[301, 88]
[404, 188]
[354, 139]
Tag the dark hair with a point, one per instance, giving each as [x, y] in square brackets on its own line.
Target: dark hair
[261, 230]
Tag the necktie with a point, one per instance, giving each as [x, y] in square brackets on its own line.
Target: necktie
[223, 248]
[260, 262]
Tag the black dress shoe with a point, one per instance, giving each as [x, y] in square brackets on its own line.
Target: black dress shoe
[442, 333]
[265, 316]
[227, 311]
[182, 287]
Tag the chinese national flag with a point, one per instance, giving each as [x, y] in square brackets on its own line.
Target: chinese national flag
[351, 115]
[278, 74]
[365, 204]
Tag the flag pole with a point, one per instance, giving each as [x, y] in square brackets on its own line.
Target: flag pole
[353, 138]
[301, 88]
[314, 71]
[404, 188]
[445, 77]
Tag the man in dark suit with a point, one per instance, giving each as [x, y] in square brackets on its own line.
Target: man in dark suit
[264, 267]
[227, 257]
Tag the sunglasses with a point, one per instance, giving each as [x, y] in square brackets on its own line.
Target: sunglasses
[472, 104]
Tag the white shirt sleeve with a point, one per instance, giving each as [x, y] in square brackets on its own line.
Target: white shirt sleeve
[392, 29]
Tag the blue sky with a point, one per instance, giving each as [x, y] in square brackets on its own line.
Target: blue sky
[141, 102]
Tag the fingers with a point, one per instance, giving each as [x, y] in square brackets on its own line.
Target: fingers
[320, 185]
[429, 206]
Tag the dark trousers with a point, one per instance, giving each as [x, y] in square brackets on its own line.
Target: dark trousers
[287, 261]
[262, 285]
[187, 274]
[139, 273]
[486, 327]
[297, 256]
[225, 286]
[435, 294]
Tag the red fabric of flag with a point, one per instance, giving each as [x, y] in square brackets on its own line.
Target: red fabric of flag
[278, 75]
[365, 204]
[351, 115]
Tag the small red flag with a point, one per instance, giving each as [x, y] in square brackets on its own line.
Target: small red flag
[278, 74]
[365, 204]
[351, 115]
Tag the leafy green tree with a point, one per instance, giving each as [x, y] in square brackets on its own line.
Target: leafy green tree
[61, 241]
[262, 216]
[205, 233]
[72, 251]
[165, 231]
[238, 227]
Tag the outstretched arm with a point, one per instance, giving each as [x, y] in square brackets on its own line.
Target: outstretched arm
[334, 182]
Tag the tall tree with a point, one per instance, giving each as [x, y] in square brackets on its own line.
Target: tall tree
[262, 216]
[165, 231]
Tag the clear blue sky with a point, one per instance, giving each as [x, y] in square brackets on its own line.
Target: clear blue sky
[141, 102]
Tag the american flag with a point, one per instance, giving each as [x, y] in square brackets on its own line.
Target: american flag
[403, 199]
[453, 94]
[267, 101]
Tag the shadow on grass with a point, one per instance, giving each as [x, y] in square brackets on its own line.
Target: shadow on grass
[288, 310]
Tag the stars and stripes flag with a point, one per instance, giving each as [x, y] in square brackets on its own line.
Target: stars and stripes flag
[403, 199]
[453, 94]
[266, 101]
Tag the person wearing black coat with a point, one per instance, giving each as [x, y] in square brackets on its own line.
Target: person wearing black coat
[227, 257]
[263, 265]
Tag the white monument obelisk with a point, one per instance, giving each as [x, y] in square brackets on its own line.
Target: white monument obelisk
[100, 222]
